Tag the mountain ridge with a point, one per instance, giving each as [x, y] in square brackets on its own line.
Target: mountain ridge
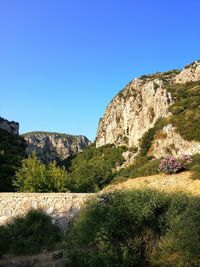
[147, 99]
[51, 146]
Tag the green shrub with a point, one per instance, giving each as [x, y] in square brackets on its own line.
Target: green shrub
[136, 228]
[92, 169]
[34, 176]
[186, 109]
[195, 167]
[142, 166]
[4, 240]
[12, 151]
[146, 140]
[30, 234]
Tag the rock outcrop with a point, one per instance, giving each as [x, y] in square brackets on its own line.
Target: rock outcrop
[168, 141]
[54, 146]
[136, 108]
[9, 126]
[190, 73]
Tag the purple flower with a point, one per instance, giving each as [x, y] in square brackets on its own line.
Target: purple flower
[186, 159]
[170, 165]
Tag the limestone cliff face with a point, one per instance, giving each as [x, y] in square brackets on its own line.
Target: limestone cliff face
[190, 73]
[136, 108]
[9, 126]
[133, 111]
[54, 146]
[168, 141]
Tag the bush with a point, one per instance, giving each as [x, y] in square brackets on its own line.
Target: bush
[170, 164]
[195, 168]
[142, 166]
[12, 151]
[34, 176]
[186, 109]
[4, 240]
[92, 169]
[147, 138]
[136, 228]
[29, 234]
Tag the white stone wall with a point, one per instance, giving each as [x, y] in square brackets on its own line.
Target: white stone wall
[62, 207]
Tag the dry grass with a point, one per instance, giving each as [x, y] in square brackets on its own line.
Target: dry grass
[180, 182]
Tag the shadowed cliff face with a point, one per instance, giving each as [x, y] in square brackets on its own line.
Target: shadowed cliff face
[135, 109]
[54, 146]
[9, 126]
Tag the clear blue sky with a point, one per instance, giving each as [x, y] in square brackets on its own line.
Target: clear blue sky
[62, 61]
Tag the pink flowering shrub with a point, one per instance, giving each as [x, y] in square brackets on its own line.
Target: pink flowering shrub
[170, 164]
[186, 159]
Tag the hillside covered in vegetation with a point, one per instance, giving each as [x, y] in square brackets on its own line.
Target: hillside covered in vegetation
[12, 152]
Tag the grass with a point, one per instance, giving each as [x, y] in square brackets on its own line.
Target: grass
[142, 166]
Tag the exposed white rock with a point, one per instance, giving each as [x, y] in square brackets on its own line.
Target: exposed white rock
[168, 141]
[189, 73]
[54, 146]
[136, 108]
[132, 112]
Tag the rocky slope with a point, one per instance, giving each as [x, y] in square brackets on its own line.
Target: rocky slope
[54, 146]
[137, 108]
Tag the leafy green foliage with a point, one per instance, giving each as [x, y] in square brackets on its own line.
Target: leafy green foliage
[12, 151]
[34, 176]
[164, 76]
[136, 228]
[146, 140]
[186, 109]
[4, 239]
[142, 166]
[92, 169]
[195, 167]
[29, 234]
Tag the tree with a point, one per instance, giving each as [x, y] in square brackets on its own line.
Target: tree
[92, 169]
[58, 177]
[12, 151]
[34, 176]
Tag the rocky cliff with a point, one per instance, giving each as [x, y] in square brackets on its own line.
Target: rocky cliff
[9, 126]
[136, 109]
[54, 146]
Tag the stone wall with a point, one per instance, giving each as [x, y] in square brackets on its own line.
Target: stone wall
[62, 207]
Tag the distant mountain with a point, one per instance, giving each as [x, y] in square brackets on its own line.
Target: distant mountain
[54, 146]
[156, 114]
